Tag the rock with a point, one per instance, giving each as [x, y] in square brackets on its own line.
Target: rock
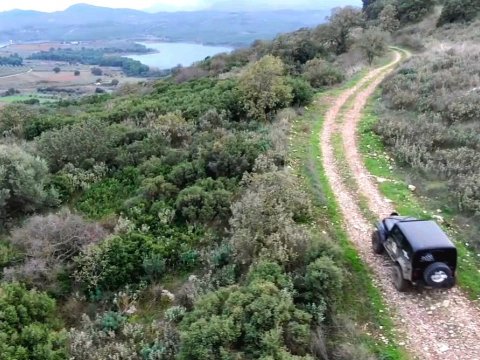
[381, 180]
[443, 348]
[131, 310]
[439, 218]
[168, 295]
[446, 303]
[412, 187]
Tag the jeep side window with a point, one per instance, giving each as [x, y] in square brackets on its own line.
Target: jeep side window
[401, 240]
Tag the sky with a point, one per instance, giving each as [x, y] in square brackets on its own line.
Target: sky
[167, 5]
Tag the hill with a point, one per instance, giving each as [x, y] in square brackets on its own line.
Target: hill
[87, 22]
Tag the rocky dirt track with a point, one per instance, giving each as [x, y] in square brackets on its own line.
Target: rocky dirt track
[435, 324]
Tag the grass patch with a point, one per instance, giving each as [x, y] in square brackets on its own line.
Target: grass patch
[381, 164]
[362, 302]
[20, 98]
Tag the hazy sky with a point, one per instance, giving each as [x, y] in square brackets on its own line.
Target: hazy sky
[54, 5]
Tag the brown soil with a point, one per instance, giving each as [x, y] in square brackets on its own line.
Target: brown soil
[434, 324]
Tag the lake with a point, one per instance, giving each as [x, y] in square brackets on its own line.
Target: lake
[170, 55]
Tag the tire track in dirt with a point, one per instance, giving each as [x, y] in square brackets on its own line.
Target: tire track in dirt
[435, 324]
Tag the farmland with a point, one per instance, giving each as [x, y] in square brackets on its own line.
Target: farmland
[72, 79]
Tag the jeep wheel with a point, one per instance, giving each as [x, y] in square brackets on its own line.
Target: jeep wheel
[438, 275]
[400, 283]
[376, 243]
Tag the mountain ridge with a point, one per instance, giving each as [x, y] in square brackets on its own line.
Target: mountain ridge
[83, 22]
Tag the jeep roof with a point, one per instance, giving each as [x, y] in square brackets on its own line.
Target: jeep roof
[424, 235]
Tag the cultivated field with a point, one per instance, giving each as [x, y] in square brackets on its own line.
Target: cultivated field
[36, 74]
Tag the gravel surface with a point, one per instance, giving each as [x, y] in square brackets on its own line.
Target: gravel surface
[440, 324]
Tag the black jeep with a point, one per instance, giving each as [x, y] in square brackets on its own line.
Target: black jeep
[421, 251]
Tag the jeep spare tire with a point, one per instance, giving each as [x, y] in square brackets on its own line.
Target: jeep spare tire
[377, 245]
[438, 275]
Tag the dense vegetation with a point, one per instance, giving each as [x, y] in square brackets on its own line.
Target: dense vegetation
[407, 11]
[100, 57]
[459, 11]
[161, 223]
[12, 60]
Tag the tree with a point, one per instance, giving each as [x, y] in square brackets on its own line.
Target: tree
[342, 21]
[23, 181]
[389, 18]
[264, 88]
[56, 70]
[458, 11]
[96, 71]
[29, 330]
[413, 10]
[373, 8]
[373, 43]
[76, 73]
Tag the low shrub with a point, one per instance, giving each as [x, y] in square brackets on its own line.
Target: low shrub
[111, 336]
[29, 328]
[257, 320]
[319, 73]
[265, 220]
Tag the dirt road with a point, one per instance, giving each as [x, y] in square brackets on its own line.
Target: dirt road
[13, 75]
[435, 324]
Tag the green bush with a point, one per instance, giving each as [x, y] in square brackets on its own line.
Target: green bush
[14, 119]
[233, 154]
[23, 182]
[114, 263]
[301, 90]
[40, 124]
[207, 201]
[265, 220]
[108, 196]
[82, 144]
[323, 280]
[29, 329]
[8, 255]
[320, 73]
[258, 320]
